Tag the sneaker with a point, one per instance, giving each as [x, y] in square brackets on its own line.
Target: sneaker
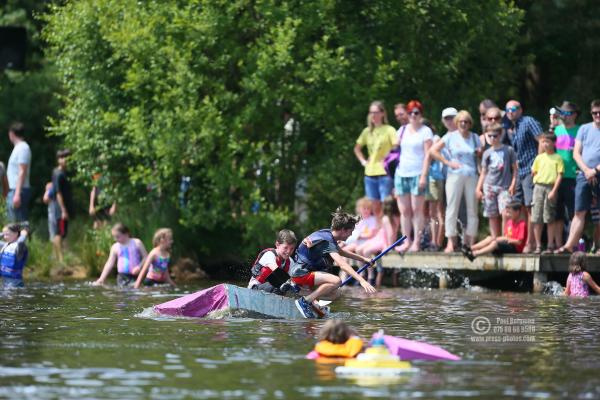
[305, 308]
[467, 252]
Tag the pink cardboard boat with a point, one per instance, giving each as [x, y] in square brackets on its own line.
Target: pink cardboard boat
[225, 297]
[409, 350]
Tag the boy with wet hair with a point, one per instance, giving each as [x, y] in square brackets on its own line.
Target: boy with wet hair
[272, 266]
[316, 255]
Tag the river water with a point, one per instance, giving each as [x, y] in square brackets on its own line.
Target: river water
[73, 341]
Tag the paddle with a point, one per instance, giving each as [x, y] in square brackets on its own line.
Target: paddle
[383, 253]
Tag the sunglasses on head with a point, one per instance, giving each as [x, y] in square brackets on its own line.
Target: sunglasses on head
[512, 109]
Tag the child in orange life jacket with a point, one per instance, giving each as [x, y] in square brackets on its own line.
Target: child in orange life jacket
[13, 256]
[270, 260]
[336, 339]
[157, 262]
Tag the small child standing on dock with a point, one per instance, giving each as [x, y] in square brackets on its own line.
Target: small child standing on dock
[13, 256]
[579, 281]
[498, 178]
[513, 241]
[157, 262]
[547, 169]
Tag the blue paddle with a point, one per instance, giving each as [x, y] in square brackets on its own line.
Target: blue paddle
[383, 253]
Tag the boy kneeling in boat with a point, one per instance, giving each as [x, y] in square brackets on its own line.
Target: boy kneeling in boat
[272, 266]
[315, 258]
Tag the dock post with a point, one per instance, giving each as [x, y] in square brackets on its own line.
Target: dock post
[539, 281]
[443, 280]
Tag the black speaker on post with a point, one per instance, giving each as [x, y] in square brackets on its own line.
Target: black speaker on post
[13, 46]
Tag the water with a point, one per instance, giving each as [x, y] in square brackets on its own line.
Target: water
[74, 341]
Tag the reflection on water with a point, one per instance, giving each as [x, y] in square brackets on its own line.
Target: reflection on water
[74, 341]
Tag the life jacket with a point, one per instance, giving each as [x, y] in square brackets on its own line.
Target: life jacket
[129, 258]
[314, 260]
[11, 262]
[349, 349]
[261, 272]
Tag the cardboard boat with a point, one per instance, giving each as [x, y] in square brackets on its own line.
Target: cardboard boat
[230, 298]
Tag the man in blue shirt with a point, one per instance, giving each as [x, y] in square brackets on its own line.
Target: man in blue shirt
[524, 132]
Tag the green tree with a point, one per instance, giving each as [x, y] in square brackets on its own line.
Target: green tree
[157, 90]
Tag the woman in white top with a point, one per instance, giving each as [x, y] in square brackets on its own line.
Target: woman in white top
[463, 150]
[410, 181]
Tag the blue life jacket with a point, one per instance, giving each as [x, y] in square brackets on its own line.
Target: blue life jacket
[312, 259]
[11, 262]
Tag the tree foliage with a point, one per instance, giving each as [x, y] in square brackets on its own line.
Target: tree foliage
[157, 90]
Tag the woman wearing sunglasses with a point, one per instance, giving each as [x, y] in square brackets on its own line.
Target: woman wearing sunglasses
[463, 148]
[411, 178]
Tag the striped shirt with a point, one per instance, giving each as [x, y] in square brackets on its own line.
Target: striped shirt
[524, 142]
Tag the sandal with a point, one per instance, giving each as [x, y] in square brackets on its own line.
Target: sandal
[538, 250]
[549, 250]
[563, 250]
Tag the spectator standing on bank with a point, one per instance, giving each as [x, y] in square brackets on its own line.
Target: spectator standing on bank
[566, 133]
[554, 116]
[401, 114]
[463, 149]
[587, 156]
[101, 207]
[547, 170]
[379, 137]
[411, 179]
[60, 208]
[498, 178]
[484, 106]
[524, 131]
[19, 167]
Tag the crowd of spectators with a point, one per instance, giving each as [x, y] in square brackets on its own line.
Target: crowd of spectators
[442, 182]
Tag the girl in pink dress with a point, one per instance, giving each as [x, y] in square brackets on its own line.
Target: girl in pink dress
[579, 281]
[387, 235]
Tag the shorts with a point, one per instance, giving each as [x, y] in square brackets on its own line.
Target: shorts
[378, 187]
[12, 282]
[408, 185]
[505, 248]
[379, 266]
[18, 214]
[125, 279]
[565, 200]
[595, 215]
[544, 209]
[495, 199]
[584, 192]
[54, 215]
[436, 190]
[524, 190]
[305, 280]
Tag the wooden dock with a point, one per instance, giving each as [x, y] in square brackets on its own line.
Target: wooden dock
[538, 265]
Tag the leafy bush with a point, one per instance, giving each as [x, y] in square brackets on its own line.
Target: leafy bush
[157, 90]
